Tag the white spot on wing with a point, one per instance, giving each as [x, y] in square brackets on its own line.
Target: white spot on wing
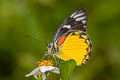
[84, 26]
[80, 14]
[73, 15]
[67, 26]
[84, 21]
[81, 18]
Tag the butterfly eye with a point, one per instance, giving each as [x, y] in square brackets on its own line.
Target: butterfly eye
[49, 46]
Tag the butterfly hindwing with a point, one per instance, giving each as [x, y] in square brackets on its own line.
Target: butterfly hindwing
[76, 45]
[76, 21]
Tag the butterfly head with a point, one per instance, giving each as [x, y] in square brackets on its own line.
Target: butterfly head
[50, 48]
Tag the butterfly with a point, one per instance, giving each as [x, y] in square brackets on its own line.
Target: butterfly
[71, 40]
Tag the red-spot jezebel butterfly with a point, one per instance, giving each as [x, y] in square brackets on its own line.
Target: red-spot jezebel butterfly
[71, 40]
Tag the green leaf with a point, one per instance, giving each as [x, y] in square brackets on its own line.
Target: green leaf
[66, 68]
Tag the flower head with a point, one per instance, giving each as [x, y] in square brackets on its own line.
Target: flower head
[44, 66]
[45, 63]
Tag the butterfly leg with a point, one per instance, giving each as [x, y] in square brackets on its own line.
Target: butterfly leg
[57, 60]
[47, 54]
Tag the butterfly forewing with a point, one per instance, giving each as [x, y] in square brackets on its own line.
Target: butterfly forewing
[76, 21]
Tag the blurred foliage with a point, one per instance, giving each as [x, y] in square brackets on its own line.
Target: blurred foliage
[40, 19]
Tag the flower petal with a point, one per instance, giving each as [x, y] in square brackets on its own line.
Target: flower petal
[34, 72]
[43, 69]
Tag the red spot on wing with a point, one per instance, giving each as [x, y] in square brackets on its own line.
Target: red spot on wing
[61, 40]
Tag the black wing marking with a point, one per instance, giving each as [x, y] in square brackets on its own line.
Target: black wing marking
[76, 21]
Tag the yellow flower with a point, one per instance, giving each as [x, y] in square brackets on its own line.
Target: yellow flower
[45, 63]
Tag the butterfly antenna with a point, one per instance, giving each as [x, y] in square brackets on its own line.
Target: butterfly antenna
[46, 53]
[46, 40]
[30, 37]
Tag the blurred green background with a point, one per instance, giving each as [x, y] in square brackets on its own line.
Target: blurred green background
[40, 19]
